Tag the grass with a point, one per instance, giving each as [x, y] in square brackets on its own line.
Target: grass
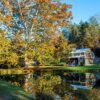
[91, 68]
[11, 92]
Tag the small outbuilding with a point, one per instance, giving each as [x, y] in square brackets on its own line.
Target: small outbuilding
[81, 57]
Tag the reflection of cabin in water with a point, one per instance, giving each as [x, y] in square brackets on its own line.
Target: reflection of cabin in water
[84, 80]
[81, 57]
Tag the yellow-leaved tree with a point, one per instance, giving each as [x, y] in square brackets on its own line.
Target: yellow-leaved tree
[8, 57]
[32, 27]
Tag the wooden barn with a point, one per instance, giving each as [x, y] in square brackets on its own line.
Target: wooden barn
[80, 57]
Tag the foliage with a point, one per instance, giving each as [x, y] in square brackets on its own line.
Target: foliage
[88, 94]
[95, 20]
[32, 28]
[46, 83]
[7, 57]
[85, 35]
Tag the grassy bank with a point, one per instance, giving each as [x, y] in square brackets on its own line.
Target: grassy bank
[90, 67]
[11, 92]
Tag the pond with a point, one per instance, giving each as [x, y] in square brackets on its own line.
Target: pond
[65, 87]
[59, 85]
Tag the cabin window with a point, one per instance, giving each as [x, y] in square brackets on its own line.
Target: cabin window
[76, 54]
[90, 55]
[82, 54]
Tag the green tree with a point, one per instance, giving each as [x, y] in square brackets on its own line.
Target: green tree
[92, 37]
[85, 35]
[74, 34]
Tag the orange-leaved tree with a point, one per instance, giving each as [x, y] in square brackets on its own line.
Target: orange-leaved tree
[32, 25]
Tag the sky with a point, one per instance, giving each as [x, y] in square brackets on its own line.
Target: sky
[84, 9]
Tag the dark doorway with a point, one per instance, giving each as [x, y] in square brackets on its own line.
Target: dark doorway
[73, 61]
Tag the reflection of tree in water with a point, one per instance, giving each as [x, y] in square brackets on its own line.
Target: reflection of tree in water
[49, 87]
[45, 86]
[43, 96]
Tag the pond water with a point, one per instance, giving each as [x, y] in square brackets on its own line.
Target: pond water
[67, 87]
[60, 85]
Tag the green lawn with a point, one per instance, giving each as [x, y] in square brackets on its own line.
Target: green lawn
[91, 68]
[11, 92]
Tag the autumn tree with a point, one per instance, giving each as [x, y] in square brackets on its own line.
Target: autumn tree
[33, 24]
[8, 57]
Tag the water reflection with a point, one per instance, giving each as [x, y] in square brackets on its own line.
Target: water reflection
[71, 86]
[60, 85]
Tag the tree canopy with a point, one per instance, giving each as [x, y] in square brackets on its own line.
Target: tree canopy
[85, 35]
[33, 29]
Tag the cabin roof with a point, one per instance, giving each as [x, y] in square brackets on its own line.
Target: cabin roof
[80, 50]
